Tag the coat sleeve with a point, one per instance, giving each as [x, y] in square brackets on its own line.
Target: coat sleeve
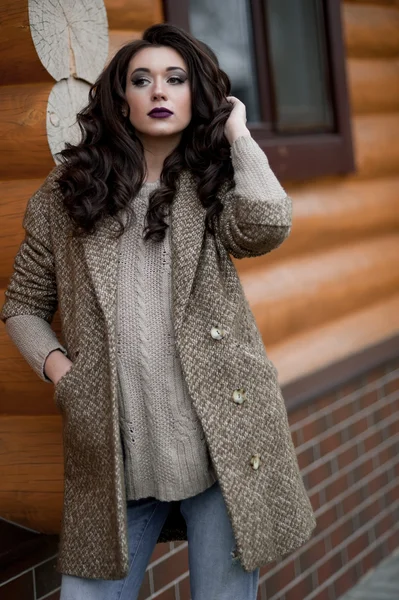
[257, 213]
[35, 339]
[32, 288]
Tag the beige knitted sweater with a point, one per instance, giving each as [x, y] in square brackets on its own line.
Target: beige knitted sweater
[165, 450]
[166, 455]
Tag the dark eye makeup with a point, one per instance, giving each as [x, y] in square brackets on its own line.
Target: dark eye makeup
[136, 81]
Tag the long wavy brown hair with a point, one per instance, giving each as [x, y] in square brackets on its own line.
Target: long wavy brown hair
[105, 170]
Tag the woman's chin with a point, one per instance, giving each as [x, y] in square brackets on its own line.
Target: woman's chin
[161, 132]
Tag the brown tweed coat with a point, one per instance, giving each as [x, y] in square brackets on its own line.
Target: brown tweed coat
[268, 506]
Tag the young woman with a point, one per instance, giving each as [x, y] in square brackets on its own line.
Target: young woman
[174, 425]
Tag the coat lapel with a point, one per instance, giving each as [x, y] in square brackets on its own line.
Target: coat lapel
[101, 253]
[187, 222]
[187, 232]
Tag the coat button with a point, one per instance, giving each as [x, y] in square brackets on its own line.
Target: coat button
[239, 396]
[217, 332]
[255, 461]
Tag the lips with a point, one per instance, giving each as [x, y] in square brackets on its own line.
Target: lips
[160, 112]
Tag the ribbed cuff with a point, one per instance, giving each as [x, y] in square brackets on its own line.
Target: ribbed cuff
[35, 339]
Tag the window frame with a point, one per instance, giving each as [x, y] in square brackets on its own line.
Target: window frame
[302, 156]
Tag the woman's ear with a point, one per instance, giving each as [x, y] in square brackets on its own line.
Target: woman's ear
[125, 109]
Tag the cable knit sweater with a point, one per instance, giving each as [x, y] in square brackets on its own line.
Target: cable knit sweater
[165, 451]
[166, 455]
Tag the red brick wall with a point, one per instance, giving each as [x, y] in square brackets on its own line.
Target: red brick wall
[348, 451]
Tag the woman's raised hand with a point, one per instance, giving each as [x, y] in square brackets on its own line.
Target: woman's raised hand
[235, 125]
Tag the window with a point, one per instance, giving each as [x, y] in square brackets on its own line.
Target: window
[298, 58]
[286, 62]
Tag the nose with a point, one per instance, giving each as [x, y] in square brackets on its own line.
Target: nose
[158, 92]
[158, 95]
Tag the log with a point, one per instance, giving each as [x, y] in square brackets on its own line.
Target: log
[14, 196]
[371, 31]
[333, 213]
[312, 350]
[326, 215]
[118, 38]
[375, 2]
[32, 471]
[37, 120]
[19, 60]
[22, 391]
[319, 287]
[376, 139]
[66, 99]
[136, 16]
[24, 149]
[374, 85]
[71, 38]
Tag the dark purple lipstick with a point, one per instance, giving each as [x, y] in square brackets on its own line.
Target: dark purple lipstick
[160, 113]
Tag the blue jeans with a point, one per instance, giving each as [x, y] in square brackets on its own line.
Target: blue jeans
[215, 574]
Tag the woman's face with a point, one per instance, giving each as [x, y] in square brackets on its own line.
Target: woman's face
[158, 78]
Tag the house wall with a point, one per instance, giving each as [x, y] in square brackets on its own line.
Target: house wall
[331, 290]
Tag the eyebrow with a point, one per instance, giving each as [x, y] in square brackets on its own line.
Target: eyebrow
[149, 70]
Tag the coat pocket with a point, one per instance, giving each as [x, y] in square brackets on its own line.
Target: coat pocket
[62, 385]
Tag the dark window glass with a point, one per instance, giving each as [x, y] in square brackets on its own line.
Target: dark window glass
[286, 61]
[298, 58]
[227, 28]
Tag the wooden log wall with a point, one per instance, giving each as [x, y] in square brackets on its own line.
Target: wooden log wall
[329, 291]
[332, 289]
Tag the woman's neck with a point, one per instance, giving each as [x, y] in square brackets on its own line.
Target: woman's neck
[156, 149]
